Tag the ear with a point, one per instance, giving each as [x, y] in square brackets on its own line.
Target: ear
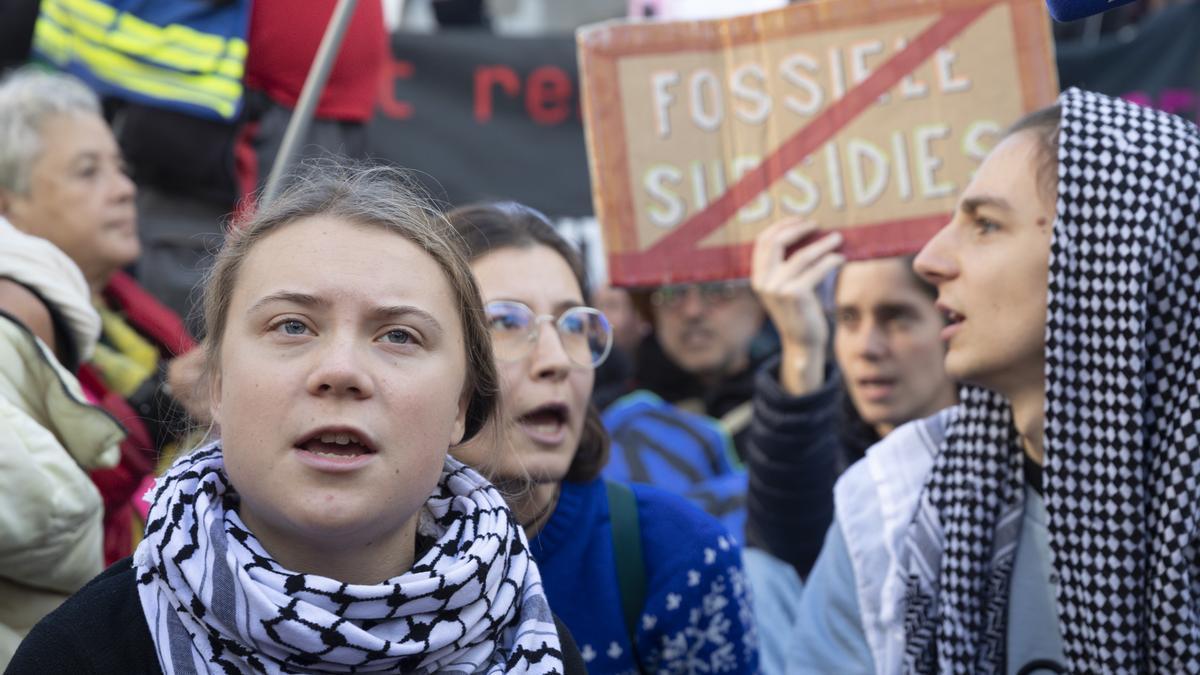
[460, 419]
[214, 396]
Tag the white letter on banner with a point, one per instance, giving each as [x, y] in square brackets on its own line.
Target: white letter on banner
[859, 150]
[761, 206]
[790, 69]
[946, 79]
[812, 197]
[837, 196]
[903, 179]
[859, 52]
[927, 163]
[663, 99]
[670, 210]
[837, 73]
[910, 88]
[708, 119]
[973, 145]
[743, 90]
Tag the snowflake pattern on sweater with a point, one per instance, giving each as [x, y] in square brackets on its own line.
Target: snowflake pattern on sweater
[697, 616]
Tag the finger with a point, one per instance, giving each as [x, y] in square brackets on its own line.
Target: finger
[805, 257]
[771, 244]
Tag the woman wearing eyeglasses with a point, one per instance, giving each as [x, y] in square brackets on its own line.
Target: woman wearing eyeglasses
[643, 580]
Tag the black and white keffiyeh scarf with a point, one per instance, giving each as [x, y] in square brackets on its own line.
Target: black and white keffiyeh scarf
[215, 600]
[1122, 425]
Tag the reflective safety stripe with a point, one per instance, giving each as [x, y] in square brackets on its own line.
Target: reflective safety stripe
[173, 62]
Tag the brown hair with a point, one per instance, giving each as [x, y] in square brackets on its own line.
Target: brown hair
[1045, 125]
[484, 228]
[378, 197]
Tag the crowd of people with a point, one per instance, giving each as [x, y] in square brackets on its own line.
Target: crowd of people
[405, 438]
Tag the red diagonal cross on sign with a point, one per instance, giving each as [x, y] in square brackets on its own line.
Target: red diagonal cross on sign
[811, 137]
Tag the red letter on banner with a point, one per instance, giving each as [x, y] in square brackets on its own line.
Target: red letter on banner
[548, 95]
[392, 107]
[485, 78]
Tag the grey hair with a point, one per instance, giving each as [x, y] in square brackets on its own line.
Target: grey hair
[28, 97]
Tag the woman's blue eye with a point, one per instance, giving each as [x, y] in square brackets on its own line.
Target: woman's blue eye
[575, 325]
[293, 327]
[506, 322]
[398, 337]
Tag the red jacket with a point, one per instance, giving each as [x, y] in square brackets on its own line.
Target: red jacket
[139, 453]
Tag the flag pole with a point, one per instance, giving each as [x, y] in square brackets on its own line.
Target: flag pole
[314, 84]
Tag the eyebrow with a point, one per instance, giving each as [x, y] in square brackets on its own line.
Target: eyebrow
[560, 307]
[380, 313]
[970, 205]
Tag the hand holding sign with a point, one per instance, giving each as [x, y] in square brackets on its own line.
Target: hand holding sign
[787, 288]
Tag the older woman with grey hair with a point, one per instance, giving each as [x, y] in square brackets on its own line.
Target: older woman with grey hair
[62, 179]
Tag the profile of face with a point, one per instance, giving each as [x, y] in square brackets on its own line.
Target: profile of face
[79, 196]
[990, 266]
[339, 384]
[707, 328]
[887, 341]
[545, 391]
[627, 324]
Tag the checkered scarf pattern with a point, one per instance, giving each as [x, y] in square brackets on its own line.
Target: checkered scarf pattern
[216, 601]
[1122, 425]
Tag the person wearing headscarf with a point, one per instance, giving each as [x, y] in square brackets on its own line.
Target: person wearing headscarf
[1048, 523]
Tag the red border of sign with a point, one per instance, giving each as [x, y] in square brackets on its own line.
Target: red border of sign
[599, 53]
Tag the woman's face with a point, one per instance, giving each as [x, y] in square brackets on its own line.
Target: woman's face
[888, 344]
[990, 265]
[340, 383]
[79, 197]
[545, 394]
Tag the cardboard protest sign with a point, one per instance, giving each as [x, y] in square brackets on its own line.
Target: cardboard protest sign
[866, 115]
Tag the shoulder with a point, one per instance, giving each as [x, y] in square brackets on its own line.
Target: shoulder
[24, 306]
[72, 637]
[896, 467]
[673, 520]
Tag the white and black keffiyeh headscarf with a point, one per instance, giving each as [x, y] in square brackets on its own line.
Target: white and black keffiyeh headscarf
[1122, 425]
[215, 601]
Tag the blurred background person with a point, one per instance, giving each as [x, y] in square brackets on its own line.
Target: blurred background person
[64, 181]
[813, 416]
[51, 529]
[644, 581]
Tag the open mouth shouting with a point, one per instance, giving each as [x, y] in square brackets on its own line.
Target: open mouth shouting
[546, 424]
[336, 449]
[954, 321]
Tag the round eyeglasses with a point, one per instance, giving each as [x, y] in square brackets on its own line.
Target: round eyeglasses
[585, 333]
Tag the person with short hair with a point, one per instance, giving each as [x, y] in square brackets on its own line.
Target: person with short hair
[1048, 522]
[327, 529]
[62, 178]
[645, 581]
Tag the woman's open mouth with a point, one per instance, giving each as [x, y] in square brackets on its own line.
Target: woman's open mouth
[340, 449]
[546, 424]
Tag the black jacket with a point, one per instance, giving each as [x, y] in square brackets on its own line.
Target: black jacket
[101, 630]
[794, 453]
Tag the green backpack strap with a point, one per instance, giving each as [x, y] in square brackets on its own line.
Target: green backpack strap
[627, 548]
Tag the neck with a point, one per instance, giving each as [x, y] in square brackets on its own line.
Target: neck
[535, 506]
[352, 559]
[1028, 406]
[883, 429]
[97, 281]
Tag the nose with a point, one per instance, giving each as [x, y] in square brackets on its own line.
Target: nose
[339, 371]
[935, 263]
[873, 341]
[692, 305]
[549, 360]
[123, 187]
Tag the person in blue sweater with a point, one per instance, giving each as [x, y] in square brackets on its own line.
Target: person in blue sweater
[694, 612]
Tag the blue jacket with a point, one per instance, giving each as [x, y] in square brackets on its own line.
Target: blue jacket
[656, 443]
[697, 615]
